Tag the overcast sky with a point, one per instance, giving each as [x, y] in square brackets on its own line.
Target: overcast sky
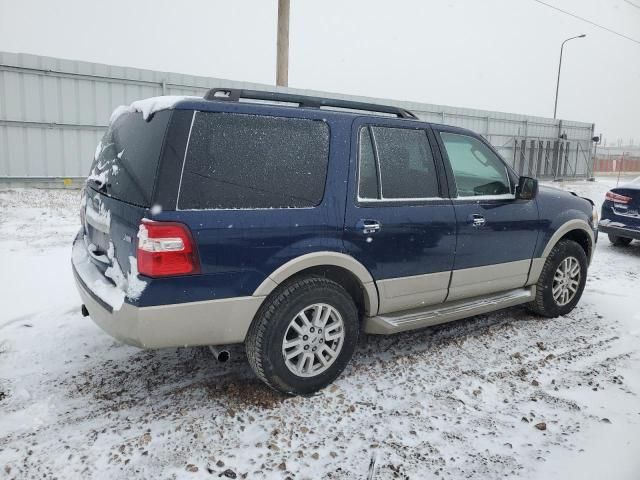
[489, 54]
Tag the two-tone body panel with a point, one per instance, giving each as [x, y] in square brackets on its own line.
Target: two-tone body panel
[442, 252]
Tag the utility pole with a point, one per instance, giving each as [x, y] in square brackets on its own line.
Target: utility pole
[282, 68]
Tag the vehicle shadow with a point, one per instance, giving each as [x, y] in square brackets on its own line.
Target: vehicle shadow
[633, 249]
[188, 377]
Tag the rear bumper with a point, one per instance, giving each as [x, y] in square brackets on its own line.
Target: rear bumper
[211, 322]
[615, 228]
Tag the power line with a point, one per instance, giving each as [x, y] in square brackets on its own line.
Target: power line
[632, 4]
[588, 21]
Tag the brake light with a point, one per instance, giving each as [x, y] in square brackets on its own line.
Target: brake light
[166, 249]
[616, 197]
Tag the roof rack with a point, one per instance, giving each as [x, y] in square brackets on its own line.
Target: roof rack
[235, 94]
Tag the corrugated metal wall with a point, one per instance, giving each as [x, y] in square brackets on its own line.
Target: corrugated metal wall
[54, 111]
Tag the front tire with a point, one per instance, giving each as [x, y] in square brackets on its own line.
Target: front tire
[562, 280]
[617, 241]
[303, 336]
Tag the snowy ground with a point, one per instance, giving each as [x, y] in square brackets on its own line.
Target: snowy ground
[455, 401]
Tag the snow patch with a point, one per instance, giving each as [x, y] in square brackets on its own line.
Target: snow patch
[99, 178]
[98, 150]
[135, 286]
[90, 275]
[130, 283]
[149, 106]
[101, 218]
[118, 112]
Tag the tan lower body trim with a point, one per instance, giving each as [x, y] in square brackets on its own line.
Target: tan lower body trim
[472, 282]
[411, 292]
[211, 322]
[536, 270]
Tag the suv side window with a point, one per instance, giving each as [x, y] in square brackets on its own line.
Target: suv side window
[253, 161]
[477, 170]
[396, 163]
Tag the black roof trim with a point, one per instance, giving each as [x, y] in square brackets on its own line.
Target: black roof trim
[235, 94]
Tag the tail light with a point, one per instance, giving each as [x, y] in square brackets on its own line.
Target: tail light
[617, 198]
[166, 249]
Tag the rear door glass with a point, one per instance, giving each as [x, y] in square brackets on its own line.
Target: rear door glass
[251, 161]
[127, 157]
[400, 159]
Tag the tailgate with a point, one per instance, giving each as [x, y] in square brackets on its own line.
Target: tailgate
[119, 193]
[110, 230]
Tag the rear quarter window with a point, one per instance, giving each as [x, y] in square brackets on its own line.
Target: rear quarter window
[251, 161]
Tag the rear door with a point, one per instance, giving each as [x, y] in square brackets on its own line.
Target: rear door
[496, 233]
[399, 223]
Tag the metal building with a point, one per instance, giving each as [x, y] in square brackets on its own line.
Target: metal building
[54, 111]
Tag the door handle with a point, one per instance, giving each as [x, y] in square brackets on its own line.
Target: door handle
[477, 220]
[368, 226]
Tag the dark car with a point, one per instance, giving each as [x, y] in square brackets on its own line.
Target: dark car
[292, 224]
[620, 218]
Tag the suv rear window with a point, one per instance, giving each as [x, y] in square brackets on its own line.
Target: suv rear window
[127, 157]
[250, 161]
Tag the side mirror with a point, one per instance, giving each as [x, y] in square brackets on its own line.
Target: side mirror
[527, 188]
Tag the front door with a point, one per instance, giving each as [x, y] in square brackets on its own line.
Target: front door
[496, 233]
[399, 223]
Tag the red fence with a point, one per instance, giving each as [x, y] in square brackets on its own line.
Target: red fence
[616, 164]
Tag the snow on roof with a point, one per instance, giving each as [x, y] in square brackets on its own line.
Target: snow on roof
[149, 106]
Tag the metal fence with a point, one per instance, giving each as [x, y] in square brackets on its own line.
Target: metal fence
[54, 111]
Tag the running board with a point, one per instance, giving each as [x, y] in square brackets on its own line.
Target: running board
[435, 314]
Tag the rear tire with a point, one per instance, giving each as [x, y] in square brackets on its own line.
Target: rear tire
[617, 241]
[562, 280]
[286, 345]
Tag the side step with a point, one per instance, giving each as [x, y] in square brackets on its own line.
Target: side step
[447, 312]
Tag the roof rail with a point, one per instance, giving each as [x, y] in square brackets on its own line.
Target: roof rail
[235, 94]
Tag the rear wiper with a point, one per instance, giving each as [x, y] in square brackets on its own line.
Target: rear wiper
[101, 186]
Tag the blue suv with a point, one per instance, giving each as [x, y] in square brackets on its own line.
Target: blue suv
[292, 224]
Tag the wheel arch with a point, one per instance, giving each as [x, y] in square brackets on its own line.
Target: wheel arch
[577, 230]
[343, 269]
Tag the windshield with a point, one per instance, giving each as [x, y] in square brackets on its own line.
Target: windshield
[126, 159]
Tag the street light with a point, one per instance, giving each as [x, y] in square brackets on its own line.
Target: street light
[555, 107]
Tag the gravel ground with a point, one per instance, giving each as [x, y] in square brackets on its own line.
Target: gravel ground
[500, 395]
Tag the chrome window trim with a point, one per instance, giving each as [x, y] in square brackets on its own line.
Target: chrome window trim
[387, 200]
[242, 209]
[503, 196]
[376, 156]
[184, 158]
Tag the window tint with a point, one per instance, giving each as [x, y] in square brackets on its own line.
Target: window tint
[126, 159]
[368, 175]
[250, 161]
[407, 169]
[477, 170]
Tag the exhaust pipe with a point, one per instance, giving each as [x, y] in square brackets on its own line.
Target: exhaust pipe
[221, 355]
[84, 311]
